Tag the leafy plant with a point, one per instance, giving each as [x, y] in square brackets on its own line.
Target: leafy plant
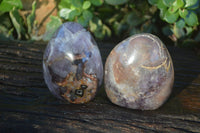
[8, 5]
[181, 15]
[119, 18]
[102, 18]
[83, 12]
[15, 23]
[133, 17]
[116, 2]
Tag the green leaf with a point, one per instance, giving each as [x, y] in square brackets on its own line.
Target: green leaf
[183, 12]
[191, 19]
[176, 5]
[74, 13]
[64, 13]
[51, 27]
[171, 17]
[8, 5]
[97, 29]
[17, 22]
[196, 6]
[189, 3]
[149, 28]
[81, 20]
[178, 32]
[161, 5]
[5, 33]
[87, 15]
[93, 26]
[167, 31]
[193, 5]
[162, 13]
[99, 34]
[107, 30]
[168, 2]
[97, 2]
[137, 19]
[116, 2]
[121, 27]
[64, 4]
[31, 17]
[86, 5]
[153, 2]
[188, 30]
[6, 21]
[180, 24]
[134, 31]
[3, 30]
[77, 3]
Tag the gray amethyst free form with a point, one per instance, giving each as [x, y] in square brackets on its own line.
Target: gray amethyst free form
[72, 64]
[139, 73]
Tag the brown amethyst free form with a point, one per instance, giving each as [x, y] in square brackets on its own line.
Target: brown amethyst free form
[72, 64]
[139, 73]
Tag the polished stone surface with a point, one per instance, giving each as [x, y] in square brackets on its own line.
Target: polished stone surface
[72, 64]
[139, 73]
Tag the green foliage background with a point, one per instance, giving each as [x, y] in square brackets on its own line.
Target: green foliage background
[105, 19]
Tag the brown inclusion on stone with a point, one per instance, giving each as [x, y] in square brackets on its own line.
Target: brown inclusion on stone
[79, 86]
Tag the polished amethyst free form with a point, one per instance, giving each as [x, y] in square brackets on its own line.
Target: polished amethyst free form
[139, 73]
[72, 64]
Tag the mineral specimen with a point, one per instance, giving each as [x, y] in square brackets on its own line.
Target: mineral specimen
[139, 73]
[72, 64]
